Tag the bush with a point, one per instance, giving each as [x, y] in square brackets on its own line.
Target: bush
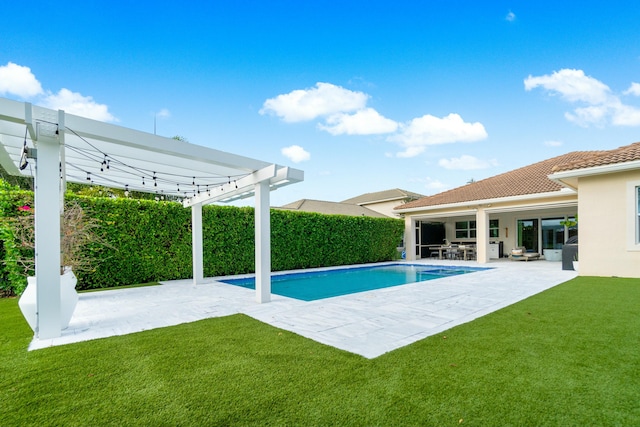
[151, 241]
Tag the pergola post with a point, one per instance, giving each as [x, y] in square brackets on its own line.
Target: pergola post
[197, 247]
[47, 235]
[263, 242]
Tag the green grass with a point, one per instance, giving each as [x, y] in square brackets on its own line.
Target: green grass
[568, 356]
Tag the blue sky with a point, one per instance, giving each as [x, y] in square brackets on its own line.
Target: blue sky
[362, 95]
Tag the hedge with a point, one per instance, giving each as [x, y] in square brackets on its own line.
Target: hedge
[151, 241]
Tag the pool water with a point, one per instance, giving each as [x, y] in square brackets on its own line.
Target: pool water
[310, 286]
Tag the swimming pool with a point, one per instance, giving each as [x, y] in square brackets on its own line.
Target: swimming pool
[310, 286]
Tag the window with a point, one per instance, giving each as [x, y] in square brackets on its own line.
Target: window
[633, 216]
[637, 215]
[528, 233]
[494, 228]
[553, 232]
[465, 229]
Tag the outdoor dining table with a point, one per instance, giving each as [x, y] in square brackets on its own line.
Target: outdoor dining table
[465, 250]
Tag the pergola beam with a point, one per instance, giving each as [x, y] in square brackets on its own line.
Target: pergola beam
[231, 189]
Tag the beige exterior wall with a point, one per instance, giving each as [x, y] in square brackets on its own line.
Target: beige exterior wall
[606, 210]
[385, 208]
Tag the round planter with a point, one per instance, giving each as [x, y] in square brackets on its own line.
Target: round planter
[68, 299]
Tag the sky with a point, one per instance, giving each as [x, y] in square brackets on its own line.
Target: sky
[363, 96]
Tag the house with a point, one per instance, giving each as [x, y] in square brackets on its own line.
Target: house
[384, 201]
[331, 208]
[527, 207]
[608, 186]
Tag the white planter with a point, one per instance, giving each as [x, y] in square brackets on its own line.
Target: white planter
[553, 254]
[68, 299]
[575, 265]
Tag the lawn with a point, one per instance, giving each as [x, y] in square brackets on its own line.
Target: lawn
[568, 356]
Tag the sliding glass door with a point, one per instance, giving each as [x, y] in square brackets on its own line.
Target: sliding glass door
[552, 233]
[528, 233]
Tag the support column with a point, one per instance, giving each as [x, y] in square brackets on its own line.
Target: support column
[47, 237]
[482, 236]
[196, 243]
[410, 238]
[263, 242]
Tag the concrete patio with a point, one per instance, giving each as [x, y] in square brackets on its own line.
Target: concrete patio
[368, 323]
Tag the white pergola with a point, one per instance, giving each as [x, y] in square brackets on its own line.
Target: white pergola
[56, 148]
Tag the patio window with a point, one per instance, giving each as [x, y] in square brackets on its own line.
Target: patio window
[465, 229]
[638, 215]
[494, 228]
[528, 233]
[553, 233]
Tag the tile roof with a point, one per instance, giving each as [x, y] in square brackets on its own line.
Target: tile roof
[380, 196]
[628, 153]
[526, 180]
[331, 208]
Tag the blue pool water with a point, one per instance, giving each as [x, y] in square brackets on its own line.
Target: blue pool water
[310, 286]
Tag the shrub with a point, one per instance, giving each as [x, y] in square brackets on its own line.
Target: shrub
[151, 241]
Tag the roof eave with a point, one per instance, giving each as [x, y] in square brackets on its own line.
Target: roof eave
[521, 198]
[569, 178]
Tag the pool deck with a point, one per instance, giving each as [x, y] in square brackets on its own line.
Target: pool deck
[368, 323]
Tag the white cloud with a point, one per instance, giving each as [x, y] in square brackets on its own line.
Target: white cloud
[163, 114]
[552, 143]
[602, 106]
[363, 122]
[573, 85]
[634, 89]
[510, 16]
[307, 104]
[296, 154]
[430, 130]
[76, 103]
[344, 112]
[432, 185]
[625, 115]
[19, 80]
[466, 162]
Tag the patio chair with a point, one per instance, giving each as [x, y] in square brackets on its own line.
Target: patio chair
[522, 254]
[453, 252]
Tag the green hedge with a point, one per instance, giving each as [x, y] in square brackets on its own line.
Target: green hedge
[151, 241]
[13, 278]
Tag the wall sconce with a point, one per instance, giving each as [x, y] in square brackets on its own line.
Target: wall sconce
[506, 232]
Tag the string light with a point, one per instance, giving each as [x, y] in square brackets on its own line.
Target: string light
[124, 169]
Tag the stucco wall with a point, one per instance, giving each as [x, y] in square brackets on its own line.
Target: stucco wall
[385, 208]
[603, 209]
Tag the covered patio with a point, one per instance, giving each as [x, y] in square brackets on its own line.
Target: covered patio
[56, 148]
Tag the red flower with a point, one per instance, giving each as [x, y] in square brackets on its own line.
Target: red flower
[25, 208]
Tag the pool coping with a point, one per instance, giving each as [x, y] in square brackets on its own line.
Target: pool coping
[368, 323]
